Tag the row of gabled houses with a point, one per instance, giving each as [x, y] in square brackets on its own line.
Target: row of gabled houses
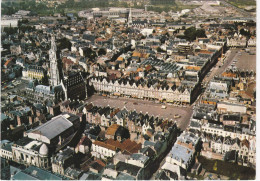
[220, 147]
[185, 93]
[229, 137]
[135, 122]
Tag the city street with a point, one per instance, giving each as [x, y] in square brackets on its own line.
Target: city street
[216, 70]
[147, 106]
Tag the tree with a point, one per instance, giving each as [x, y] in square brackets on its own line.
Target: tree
[160, 50]
[245, 33]
[200, 33]
[21, 22]
[163, 38]
[90, 54]
[45, 79]
[191, 33]
[10, 30]
[102, 51]
[64, 43]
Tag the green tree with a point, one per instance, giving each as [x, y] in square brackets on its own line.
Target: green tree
[10, 30]
[200, 33]
[102, 51]
[160, 50]
[190, 33]
[45, 79]
[245, 33]
[63, 43]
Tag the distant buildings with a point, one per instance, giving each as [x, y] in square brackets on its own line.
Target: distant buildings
[7, 21]
[130, 53]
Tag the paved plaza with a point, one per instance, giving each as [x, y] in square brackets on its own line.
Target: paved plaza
[147, 106]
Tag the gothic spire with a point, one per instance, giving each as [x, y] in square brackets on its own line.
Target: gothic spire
[130, 21]
[54, 72]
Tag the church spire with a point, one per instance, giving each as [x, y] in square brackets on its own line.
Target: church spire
[130, 21]
[53, 44]
[54, 72]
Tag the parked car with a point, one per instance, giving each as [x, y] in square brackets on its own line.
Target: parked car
[163, 107]
[177, 116]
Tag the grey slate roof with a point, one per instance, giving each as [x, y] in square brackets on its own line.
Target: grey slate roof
[34, 173]
[54, 127]
[64, 155]
[128, 168]
[90, 176]
[179, 152]
[124, 176]
[140, 157]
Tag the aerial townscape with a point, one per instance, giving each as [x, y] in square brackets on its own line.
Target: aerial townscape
[128, 90]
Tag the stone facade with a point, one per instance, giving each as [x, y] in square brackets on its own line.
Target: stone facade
[184, 94]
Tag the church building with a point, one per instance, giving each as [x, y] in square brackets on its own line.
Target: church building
[73, 87]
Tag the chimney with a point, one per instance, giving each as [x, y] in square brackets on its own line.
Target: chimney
[19, 122]
[30, 120]
[190, 146]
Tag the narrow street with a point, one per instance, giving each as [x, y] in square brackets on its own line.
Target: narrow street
[155, 173]
[216, 70]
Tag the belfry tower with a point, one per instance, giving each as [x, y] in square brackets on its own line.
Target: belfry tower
[130, 21]
[54, 72]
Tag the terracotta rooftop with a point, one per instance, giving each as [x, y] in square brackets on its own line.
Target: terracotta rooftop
[193, 68]
[114, 112]
[89, 106]
[101, 163]
[101, 39]
[228, 74]
[112, 129]
[245, 142]
[205, 52]
[136, 54]
[84, 141]
[127, 147]
[120, 58]
[104, 145]
[8, 61]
